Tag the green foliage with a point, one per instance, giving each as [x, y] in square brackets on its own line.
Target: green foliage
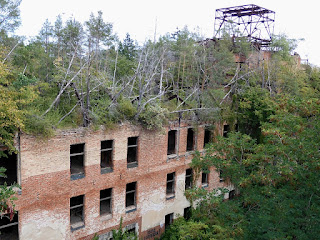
[275, 177]
[154, 116]
[121, 234]
[9, 15]
[186, 230]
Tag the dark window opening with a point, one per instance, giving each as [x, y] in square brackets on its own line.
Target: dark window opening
[187, 213]
[172, 142]
[105, 201]
[221, 178]
[10, 163]
[190, 139]
[204, 179]
[132, 160]
[9, 230]
[131, 194]
[232, 194]
[131, 229]
[188, 183]
[106, 156]
[226, 130]
[170, 185]
[76, 212]
[168, 220]
[207, 137]
[77, 161]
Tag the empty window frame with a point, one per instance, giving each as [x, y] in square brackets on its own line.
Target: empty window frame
[204, 179]
[9, 230]
[187, 213]
[221, 178]
[172, 136]
[170, 191]
[207, 137]
[188, 180]
[76, 212]
[131, 230]
[190, 139]
[232, 194]
[168, 220]
[131, 195]
[106, 163]
[226, 130]
[106, 201]
[10, 163]
[132, 154]
[77, 161]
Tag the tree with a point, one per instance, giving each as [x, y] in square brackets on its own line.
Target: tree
[9, 15]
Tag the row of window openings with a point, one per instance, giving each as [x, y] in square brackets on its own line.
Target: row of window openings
[172, 140]
[170, 189]
[106, 161]
[77, 205]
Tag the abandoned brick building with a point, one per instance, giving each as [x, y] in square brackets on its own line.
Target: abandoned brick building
[81, 182]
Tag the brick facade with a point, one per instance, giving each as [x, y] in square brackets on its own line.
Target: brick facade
[46, 185]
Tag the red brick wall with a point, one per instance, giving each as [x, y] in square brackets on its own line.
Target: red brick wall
[46, 186]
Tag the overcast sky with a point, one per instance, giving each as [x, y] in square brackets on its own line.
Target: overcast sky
[140, 18]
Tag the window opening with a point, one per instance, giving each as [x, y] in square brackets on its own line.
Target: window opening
[221, 179]
[132, 160]
[131, 195]
[226, 130]
[190, 139]
[207, 137]
[188, 181]
[187, 213]
[232, 194]
[9, 230]
[105, 201]
[10, 163]
[172, 142]
[204, 179]
[170, 185]
[106, 156]
[76, 212]
[77, 161]
[168, 220]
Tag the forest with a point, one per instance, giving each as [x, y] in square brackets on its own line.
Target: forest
[76, 74]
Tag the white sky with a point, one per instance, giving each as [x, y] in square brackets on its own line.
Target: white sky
[297, 19]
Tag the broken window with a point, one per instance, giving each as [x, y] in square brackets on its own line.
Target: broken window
[187, 213]
[221, 179]
[132, 160]
[131, 195]
[131, 230]
[207, 137]
[226, 130]
[9, 230]
[77, 161]
[10, 163]
[204, 179]
[188, 182]
[105, 201]
[106, 156]
[168, 220]
[232, 194]
[76, 212]
[172, 142]
[170, 185]
[190, 139]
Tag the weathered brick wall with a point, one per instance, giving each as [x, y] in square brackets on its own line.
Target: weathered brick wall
[44, 204]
